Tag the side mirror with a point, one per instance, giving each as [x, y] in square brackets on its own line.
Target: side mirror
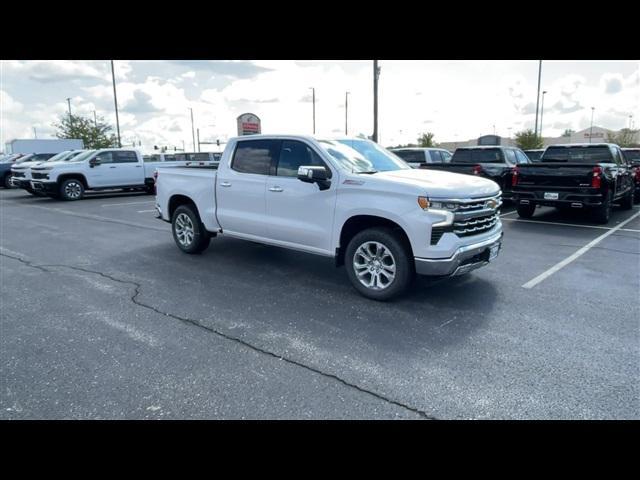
[312, 174]
[94, 162]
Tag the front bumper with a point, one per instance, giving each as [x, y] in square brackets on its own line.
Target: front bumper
[20, 183]
[44, 187]
[464, 260]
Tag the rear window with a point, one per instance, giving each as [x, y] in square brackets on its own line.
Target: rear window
[410, 156]
[484, 155]
[533, 156]
[578, 154]
[631, 154]
[255, 156]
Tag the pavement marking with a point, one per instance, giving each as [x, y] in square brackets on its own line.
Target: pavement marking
[533, 282]
[573, 224]
[128, 203]
[147, 211]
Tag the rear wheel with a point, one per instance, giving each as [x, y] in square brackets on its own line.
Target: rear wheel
[71, 189]
[602, 214]
[627, 201]
[379, 264]
[188, 231]
[526, 211]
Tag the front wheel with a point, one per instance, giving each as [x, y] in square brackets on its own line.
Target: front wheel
[379, 264]
[526, 210]
[71, 189]
[188, 231]
[6, 181]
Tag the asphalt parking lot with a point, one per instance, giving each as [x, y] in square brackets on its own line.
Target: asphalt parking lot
[103, 317]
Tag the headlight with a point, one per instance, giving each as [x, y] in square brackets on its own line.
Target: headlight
[427, 204]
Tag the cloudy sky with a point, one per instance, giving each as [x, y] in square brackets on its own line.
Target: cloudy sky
[456, 100]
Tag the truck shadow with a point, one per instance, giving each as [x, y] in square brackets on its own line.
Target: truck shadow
[271, 288]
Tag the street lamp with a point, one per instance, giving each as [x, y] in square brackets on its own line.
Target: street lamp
[541, 112]
[591, 128]
[346, 113]
[115, 101]
[193, 132]
[538, 96]
[313, 100]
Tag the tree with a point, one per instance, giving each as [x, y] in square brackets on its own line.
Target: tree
[94, 135]
[568, 132]
[528, 140]
[625, 138]
[426, 140]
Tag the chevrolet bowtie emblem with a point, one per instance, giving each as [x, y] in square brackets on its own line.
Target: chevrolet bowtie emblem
[491, 204]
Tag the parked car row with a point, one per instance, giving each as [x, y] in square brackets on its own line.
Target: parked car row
[67, 175]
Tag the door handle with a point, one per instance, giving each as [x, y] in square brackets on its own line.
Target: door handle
[225, 184]
[112, 167]
[276, 189]
[138, 166]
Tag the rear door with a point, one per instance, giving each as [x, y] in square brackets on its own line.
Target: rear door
[240, 189]
[126, 169]
[299, 213]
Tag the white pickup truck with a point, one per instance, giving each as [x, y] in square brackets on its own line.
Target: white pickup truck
[21, 172]
[105, 169]
[349, 199]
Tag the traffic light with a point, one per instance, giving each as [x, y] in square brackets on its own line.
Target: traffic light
[155, 147]
[218, 142]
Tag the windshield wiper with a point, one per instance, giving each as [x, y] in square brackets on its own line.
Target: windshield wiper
[368, 172]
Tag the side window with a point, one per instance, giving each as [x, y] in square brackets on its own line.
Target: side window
[446, 156]
[181, 157]
[620, 158]
[295, 154]
[436, 156]
[255, 156]
[105, 157]
[169, 158]
[511, 156]
[125, 157]
[150, 158]
[521, 157]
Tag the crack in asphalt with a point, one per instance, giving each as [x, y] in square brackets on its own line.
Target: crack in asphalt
[196, 323]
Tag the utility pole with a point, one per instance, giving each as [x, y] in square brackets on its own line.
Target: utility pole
[198, 140]
[95, 119]
[115, 102]
[193, 133]
[313, 100]
[376, 74]
[35, 135]
[542, 112]
[538, 95]
[69, 103]
[591, 128]
[346, 113]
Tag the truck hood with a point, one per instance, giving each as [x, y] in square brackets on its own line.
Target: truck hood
[26, 165]
[438, 184]
[49, 165]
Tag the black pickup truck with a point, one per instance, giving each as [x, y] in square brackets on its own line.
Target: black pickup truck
[632, 155]
[493, 162]
[575, 176]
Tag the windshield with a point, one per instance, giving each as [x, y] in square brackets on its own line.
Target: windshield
[82, 156]
[479, 155]
[578, 154]
[362, 156]
[59, 156]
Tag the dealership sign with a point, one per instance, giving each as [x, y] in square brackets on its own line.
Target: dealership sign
[248, 124]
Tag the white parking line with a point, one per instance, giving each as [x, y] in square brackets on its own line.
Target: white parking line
[146, 211]
[509, 213]
[570, 224]
[129, 203]
[533, 282]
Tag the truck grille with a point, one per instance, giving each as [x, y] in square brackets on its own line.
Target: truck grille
[17, 174]
[38, 175]
[475, 226]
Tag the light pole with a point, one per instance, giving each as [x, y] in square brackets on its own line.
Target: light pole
[95, 119]
[630, 121]
[538, 96]
[591, 128]
[35, 135]
[346, 113]
[115, 102]
[69, 104]
[541, 112]
[193, 132]
[313, 100]
[376, 74]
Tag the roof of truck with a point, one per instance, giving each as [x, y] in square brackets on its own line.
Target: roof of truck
[583, 145]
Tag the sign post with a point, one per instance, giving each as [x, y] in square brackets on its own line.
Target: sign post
[248, 124]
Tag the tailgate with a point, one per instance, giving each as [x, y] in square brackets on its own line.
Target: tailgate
[562, 175]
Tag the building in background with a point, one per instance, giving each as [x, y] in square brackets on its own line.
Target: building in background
[599, 135]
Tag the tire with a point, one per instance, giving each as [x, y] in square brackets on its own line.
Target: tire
[188, 231]
[375, 249]
[6, 181]
[627, 201]
[602, 214]
[71, 189]
[526, 211]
